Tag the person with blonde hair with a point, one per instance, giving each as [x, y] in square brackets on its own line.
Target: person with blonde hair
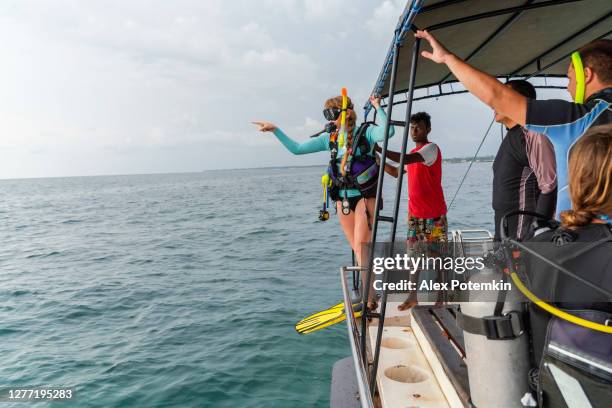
[590, 180]
[582, 244]
[354, 203]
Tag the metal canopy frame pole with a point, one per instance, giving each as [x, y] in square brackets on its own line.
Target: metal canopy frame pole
[441, 4]
[438, 95]
[499, 12]
[514, 17]
[563, 42]
[558, 60]
[379, 188]
[398, 192]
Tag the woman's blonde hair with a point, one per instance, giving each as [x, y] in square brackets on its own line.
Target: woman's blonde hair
[590, 177]
[351, 119]
[351, 116]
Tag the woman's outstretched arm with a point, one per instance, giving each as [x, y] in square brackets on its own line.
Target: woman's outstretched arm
[316, 144]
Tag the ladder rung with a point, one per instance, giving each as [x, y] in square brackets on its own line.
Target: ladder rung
[385, 218]
[397, 122]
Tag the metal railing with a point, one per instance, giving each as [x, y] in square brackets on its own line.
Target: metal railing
[353, 331]
[399, 32]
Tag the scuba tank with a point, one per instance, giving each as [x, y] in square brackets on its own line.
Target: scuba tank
[495, 339]
[496, 347]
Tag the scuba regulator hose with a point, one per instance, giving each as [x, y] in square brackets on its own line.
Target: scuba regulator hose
[530, 295]
[557, 312]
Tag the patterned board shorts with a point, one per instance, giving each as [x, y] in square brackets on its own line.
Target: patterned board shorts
[431, 233]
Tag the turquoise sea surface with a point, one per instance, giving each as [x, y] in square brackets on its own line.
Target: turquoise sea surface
[181, 290]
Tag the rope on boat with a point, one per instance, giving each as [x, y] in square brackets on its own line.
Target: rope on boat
[471, 162]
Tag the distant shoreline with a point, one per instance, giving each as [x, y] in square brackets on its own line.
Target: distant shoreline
[480, 159]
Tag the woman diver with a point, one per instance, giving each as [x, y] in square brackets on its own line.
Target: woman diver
[354, 200]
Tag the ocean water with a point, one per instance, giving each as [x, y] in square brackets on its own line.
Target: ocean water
[180, 290]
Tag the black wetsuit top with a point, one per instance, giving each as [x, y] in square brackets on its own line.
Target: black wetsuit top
[514, 183]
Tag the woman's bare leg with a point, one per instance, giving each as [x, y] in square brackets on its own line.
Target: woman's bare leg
[362, 235]
[347, 222]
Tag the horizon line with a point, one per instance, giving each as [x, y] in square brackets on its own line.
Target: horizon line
[199, 171]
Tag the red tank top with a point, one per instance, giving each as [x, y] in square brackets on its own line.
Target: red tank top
[425, 195]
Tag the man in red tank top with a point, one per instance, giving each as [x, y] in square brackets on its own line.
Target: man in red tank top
[427, 225]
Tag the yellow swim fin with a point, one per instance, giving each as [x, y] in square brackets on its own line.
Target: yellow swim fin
[324, 318]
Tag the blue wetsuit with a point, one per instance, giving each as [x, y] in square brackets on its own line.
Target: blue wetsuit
[564, 123]
[320, 143]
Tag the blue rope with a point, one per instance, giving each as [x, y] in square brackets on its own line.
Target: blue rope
[415, 8]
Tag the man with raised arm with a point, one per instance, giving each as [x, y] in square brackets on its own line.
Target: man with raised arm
[563, 122]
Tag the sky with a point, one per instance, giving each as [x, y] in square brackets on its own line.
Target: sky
[131, 87]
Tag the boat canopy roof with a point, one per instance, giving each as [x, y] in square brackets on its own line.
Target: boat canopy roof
[505, 38]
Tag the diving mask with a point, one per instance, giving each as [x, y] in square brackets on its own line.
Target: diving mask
[331, 113]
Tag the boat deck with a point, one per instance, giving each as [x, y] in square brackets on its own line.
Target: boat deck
[438, 327]
[421, 362]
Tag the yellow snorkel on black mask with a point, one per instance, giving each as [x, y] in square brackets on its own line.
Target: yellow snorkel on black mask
[580, 80]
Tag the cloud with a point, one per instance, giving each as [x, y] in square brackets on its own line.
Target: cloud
[150, 85]
[329, 10]
[385, 18]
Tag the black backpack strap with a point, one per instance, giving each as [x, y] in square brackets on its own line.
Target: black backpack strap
[361, 141]
[333, 165]
[501, 297]
[333, 148]
[504, 327]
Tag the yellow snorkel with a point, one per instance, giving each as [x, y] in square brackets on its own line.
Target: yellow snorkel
[579, 73]
[326, 179]
[343, 118]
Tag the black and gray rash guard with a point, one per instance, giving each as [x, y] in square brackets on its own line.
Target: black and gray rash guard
[524, 178]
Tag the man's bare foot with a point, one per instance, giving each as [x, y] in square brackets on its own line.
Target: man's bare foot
[371, 306]
[408, 303]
